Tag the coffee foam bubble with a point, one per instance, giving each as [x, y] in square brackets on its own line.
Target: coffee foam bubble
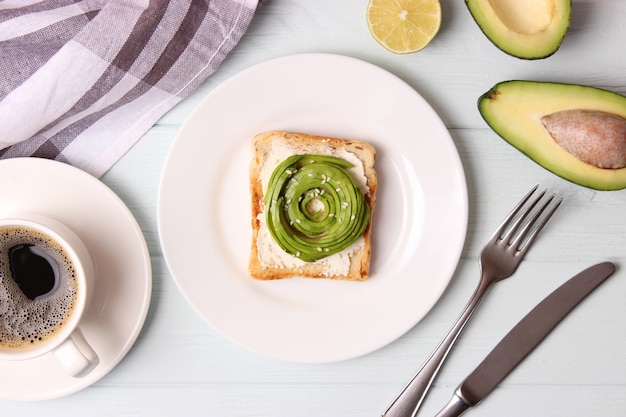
[26, 323]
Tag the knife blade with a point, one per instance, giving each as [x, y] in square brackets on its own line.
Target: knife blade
[524, 337]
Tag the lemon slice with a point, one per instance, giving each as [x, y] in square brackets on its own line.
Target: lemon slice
[404, 26]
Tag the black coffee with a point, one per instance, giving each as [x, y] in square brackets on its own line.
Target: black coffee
[38, 287]
[33, 270]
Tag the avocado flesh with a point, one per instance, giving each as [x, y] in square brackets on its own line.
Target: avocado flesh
[314, 208]
[527, 29]
[514, 110]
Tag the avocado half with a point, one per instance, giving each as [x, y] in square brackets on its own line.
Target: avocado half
[514, 110]
[527, 29]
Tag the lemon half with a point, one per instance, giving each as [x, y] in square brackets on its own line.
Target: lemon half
[404, 26]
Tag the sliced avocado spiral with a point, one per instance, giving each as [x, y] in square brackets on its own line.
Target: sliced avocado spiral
[313, 207]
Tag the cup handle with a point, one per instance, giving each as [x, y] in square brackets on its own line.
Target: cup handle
[76, 356]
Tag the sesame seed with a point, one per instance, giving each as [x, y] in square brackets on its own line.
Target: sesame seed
[319, 249]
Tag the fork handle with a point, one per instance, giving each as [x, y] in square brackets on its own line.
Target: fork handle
[410, 398]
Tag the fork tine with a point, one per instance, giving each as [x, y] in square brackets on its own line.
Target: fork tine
[521, 243]
[498, 234]
[513, 230]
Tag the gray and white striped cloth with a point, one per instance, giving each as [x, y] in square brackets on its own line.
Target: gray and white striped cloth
[82, 80]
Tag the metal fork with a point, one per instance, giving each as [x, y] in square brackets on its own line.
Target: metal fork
[498, 260]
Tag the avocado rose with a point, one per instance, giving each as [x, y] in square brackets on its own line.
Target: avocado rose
[313, 207]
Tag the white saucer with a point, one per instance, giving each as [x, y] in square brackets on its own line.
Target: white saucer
[124, 276]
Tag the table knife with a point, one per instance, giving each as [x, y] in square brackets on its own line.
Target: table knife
[524, 337]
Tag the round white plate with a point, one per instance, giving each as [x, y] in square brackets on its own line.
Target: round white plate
[419, 223]
[123, 272]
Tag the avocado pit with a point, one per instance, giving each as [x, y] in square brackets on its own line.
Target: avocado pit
[595, 137]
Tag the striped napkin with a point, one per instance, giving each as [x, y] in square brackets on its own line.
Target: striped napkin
[82, 80]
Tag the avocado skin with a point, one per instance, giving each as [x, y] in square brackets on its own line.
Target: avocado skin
[513, 109]
[529, 47]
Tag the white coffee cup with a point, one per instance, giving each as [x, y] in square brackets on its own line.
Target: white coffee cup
[26, 332]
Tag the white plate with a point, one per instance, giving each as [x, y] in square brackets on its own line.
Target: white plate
[123, 273]
[419, 223]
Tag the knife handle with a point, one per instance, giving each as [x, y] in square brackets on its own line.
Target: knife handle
[455, 407]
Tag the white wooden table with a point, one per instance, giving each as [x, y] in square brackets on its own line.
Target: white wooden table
[181, 366]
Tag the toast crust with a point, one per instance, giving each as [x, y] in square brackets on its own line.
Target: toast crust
[300, 143]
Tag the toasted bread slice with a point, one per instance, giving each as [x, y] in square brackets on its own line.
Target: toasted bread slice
[267, 260]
